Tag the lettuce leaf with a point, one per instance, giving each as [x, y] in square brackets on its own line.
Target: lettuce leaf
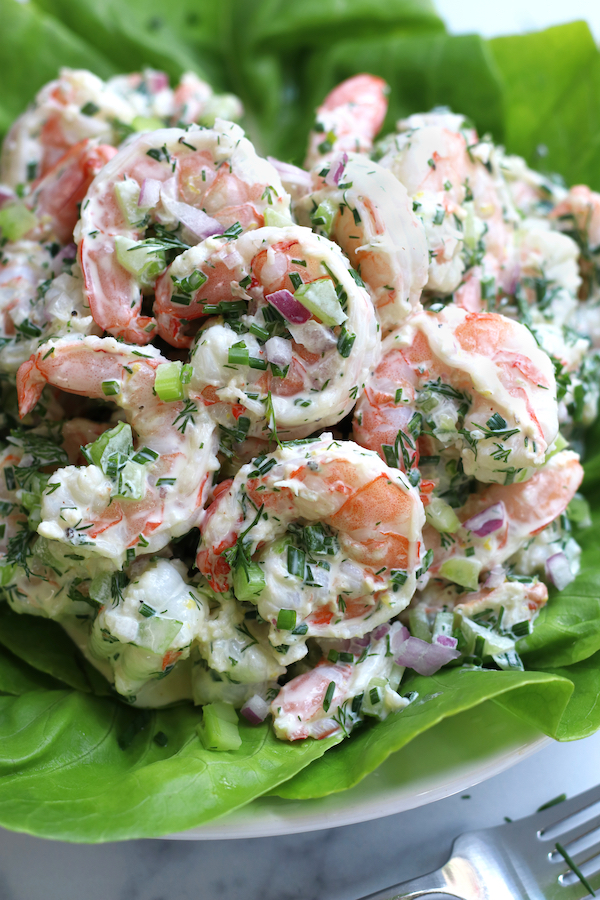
[80, 768]
[46, 647]
[540, 698]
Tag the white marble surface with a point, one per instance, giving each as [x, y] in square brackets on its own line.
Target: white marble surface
[512, 16]
[338, 864]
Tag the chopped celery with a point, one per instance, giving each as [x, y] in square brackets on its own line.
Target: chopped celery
[131, 481]
[444, 623]
[276, 219]
[493, 643]
[167, 383]
[16, 220]
[128, 194]
[418, 623]
[147, 123]
[116, 440]
[248, 582]
[219, 106]
[143, 261]
[321, 299]
[219, 729]
[324, 216]
[157, 633]
[441, 516]
[463, 571]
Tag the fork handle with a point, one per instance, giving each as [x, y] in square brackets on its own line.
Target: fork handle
[432, 883]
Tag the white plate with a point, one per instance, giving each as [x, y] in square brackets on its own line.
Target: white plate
[454, 755]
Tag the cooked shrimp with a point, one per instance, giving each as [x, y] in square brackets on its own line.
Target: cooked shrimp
[195, 183]
[369, 214]
[117, 511]
[349, 118]
[256, 367]
[33, 303]
[481, 383]
[56, 197]
[459, 201]
[518, 512]
[78, 105]
[321, 535]
[333, 697]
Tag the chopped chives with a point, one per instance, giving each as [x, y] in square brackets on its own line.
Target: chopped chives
[110, 388]
[575, 868]
[295, 561]
[328, 695]
[286, 619]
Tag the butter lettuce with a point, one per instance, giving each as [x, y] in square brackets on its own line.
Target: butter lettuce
[77, 763]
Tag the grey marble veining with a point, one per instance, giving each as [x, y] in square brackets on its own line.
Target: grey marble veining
[337, 864]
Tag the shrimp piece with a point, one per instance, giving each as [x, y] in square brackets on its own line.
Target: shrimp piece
[326, 536]
[101, 511]
[369, 214]
[33, 303]
[194, 101]
[519, 513]
[78, 106]
[481, 383]
[307, 706]
[56, 197]
[519, 602]
[255, 370]
[195, 182]
[460, 203]
[349, 118]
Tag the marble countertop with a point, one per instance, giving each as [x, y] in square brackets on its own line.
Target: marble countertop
[337, 864]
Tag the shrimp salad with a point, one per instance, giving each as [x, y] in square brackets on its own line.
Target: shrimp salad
[277, 438]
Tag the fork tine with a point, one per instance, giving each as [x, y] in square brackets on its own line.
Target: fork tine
[576, 833]
[564, 810]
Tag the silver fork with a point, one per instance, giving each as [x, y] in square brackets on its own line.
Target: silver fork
[520, 860]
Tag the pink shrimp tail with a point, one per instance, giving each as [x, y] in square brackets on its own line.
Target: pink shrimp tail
[367, 94]
[30, 384]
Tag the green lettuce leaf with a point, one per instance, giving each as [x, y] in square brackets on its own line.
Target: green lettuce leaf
[551, 86]
[16, 677]
[80, 768]
[539, 698]
[46, 647]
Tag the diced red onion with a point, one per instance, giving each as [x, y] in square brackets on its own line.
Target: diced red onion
[6, 195]
[255, 709]
[559, 571]
[380, 631]
[285, 303]
[424, 658]
[279, 351]
[488, 521]
[149, 193]
[195, 220]
[292, 174]
[336, 169]
[399, 637]
[159, 81]
[496, 577]
[446, 640]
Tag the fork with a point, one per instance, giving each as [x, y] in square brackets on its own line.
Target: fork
[520, 860]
